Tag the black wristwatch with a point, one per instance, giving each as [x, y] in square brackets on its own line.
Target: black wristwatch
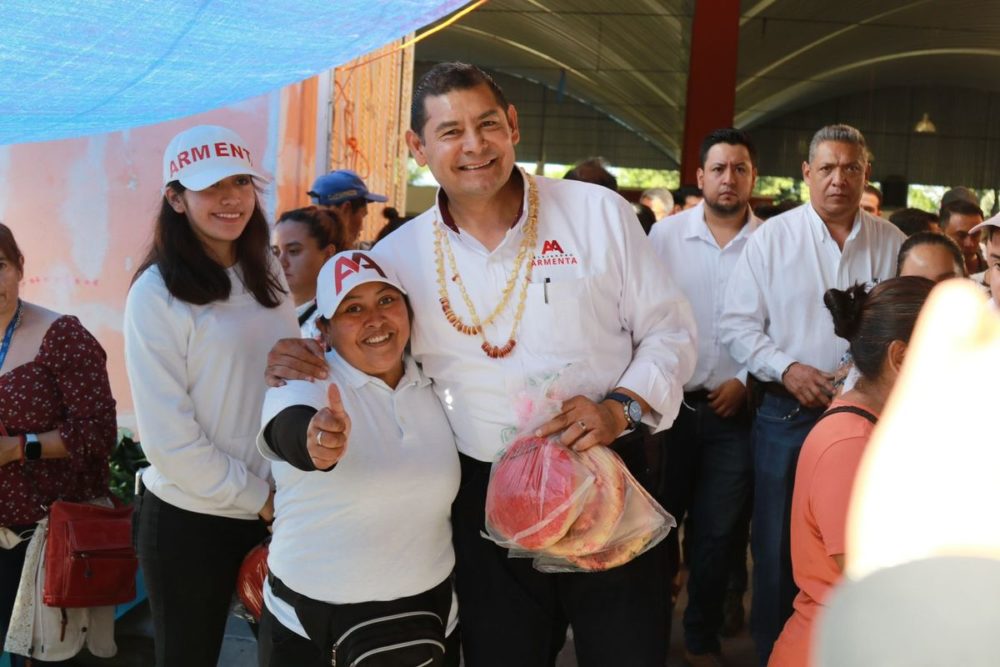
[32, 447]
[631, 407]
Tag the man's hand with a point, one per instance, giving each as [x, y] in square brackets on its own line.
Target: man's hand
[728, 398]
[810, 386]
[585, 424]
[295, 359]
[328, 432]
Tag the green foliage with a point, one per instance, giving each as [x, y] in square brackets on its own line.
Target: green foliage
[781, 188]
[126, 459]
[925, 197]
[641, 179]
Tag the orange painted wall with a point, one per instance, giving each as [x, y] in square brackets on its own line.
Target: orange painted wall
[82, 209]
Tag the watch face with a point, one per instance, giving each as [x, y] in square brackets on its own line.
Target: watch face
[634, 412]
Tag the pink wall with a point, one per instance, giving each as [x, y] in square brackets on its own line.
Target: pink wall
[82, 212]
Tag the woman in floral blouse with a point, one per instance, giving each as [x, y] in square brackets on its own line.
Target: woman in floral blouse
[57, 417]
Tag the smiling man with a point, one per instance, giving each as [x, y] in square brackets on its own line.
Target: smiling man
[513, 277]
[775, 323]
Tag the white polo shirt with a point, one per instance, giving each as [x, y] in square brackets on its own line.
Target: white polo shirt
[598, 296]
[377, 526]
[774, 313]
[702, 269]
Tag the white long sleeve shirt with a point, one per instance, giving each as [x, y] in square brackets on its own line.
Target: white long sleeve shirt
[598, 296]
[774, 313]
[702, 269]
[377, 526]
[197, 377]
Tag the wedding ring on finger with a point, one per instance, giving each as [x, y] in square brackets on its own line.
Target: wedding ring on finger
[582, 425]
[319, 438]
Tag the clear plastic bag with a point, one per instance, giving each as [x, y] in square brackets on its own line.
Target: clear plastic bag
[569, 511]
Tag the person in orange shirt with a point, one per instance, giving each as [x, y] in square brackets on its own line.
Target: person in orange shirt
[878, 325]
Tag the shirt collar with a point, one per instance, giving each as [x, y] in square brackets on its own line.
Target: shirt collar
[821, 227]
[412, 375]
[449, 222]
[695, 226]
[304, 307]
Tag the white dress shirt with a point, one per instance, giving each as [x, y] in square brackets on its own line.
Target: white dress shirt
[598, 296]
[774, 313]
[702, 269]
[377, 526]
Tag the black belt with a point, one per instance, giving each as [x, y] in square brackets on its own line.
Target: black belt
[283, 592]
[697, 396]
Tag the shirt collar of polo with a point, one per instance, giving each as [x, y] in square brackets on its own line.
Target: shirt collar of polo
[412, 375]
[445, 215]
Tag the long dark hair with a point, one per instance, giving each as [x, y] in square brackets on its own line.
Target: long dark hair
[191, 275]
[870, 321]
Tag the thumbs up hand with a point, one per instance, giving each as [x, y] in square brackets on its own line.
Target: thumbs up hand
[328, 432]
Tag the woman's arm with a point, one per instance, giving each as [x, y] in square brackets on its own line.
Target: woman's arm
[156, 329]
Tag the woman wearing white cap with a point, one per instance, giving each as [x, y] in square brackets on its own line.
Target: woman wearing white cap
[204, 308]
[361, 554]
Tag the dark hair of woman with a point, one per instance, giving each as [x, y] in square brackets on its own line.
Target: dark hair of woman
[325, 225]
[191, 275]
[930, 238]
[870, 321]
[8, 246]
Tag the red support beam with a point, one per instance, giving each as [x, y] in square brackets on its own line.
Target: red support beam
[711, 85]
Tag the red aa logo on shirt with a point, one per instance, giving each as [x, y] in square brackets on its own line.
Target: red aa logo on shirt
[346, 267]
[552, 246]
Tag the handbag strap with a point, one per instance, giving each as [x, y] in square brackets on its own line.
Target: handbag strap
[861, 412]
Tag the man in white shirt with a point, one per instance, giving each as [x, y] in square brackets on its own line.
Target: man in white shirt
[512, 278]
[775, 323]
[708, 463]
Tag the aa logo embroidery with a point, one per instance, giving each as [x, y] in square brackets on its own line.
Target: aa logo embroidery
[346, 267]
[554, 255]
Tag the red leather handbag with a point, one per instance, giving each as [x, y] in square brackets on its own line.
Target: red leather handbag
[89, 558]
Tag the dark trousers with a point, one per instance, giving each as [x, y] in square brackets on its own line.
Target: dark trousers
[721, 475]
[11, 564]
[780, 426]
[514, 615]
[190, 562]
[280, 647]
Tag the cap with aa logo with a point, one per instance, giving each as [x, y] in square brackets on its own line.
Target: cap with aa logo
[345, 271]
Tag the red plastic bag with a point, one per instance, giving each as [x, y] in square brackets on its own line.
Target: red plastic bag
[250, 580]
[569, 511]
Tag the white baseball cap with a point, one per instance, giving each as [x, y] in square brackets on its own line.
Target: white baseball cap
[989, 222]
[204, 155]
[345, 271]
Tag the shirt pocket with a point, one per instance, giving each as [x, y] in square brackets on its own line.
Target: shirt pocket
[560, 317]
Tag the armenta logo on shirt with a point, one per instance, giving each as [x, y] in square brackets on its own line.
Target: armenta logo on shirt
[553, 255]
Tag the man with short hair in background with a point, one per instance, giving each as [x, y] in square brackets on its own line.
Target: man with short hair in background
[659, 201]
[871, 200]
[960, 220]
[775, 323]
[345, 192]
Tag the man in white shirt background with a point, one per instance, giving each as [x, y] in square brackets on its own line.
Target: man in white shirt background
[512, 277]
[708, 466]
[775, 323]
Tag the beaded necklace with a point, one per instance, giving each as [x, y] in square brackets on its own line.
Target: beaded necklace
[442, 247]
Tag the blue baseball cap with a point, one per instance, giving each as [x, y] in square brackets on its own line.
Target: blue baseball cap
[340, 186]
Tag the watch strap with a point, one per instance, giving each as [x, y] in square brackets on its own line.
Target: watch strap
[626, 401]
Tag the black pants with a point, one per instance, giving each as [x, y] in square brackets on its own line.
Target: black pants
[190, 562]
[280, 647]
[11, 564]
[514, 615]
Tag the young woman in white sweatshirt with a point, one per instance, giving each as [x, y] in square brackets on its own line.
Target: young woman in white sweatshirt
[205, 306]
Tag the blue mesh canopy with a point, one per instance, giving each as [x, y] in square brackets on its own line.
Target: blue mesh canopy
[77, 67]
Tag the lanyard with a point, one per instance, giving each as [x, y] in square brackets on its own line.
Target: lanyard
[9, 333]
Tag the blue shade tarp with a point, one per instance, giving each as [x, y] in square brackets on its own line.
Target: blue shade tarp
[76, 67]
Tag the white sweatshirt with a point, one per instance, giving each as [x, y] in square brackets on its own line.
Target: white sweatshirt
[197, 376]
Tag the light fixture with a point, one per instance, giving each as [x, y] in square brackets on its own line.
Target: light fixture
[925, 125]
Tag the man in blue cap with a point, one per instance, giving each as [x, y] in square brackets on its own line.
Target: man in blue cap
[345, 192]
